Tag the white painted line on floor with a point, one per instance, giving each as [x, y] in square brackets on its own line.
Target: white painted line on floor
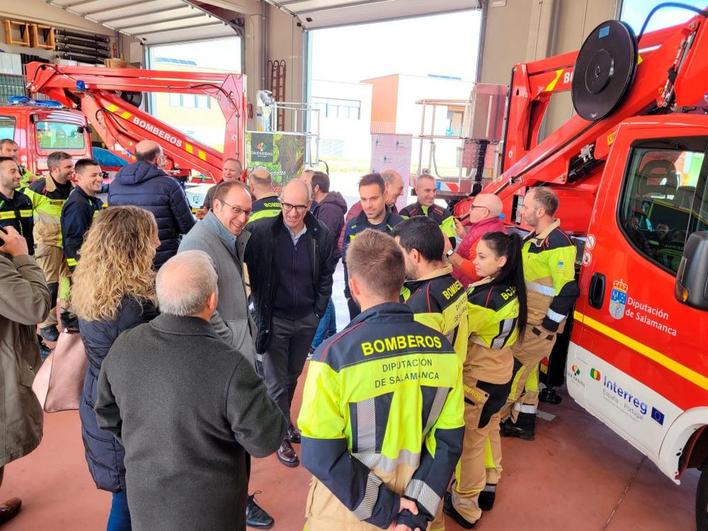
[548, 417]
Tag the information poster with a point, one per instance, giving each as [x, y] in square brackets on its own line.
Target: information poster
[393, 152]
[283, 154]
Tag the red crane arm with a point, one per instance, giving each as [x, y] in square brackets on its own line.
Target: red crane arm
[579, 147]
[121, 125]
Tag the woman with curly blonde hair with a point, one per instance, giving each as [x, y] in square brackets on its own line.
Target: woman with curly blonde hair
[113, 290]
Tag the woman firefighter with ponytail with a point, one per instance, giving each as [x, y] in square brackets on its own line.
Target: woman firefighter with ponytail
[497, 317]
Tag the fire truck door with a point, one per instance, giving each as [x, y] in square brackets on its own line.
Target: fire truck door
[637, 360]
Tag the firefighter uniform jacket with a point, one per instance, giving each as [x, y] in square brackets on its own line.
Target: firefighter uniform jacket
[438, 214]
[265, 207]
[27, 176]
[493, 328]
[16, 211]
[48, 198]
[549, 270]
[76, 218]
[439, 301]
[359, 224]
[382, 416]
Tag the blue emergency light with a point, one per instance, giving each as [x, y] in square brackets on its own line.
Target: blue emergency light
[49, 104]
[80, 86]
[19, 100]
[24, 100]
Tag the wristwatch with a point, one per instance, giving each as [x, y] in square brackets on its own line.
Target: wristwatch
[449, 253]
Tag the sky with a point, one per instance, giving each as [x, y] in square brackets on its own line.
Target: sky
[440, 45]
[635, 12]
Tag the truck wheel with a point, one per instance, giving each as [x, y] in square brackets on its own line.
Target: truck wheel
[702, 501]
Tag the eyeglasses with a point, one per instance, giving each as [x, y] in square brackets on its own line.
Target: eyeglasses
[237, 211]
[299, 209]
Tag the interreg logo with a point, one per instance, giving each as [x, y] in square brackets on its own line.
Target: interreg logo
[618, 298]
[575, 370]
[595, 374]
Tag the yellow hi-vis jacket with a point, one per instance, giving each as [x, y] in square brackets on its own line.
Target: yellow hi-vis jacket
[27, 177]
[549, 271]
[442, 216]
[493, 328]
[47, 201]
[382, 416]
[265, 208]
[439, 301]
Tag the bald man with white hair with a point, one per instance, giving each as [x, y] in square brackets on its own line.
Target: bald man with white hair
[484, 216]
[146, 185]
[290, 261]
[187, 408]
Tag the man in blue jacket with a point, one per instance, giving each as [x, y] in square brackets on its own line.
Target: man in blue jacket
[145, 184]
[374, 215]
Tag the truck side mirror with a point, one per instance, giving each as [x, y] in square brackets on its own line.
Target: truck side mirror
[691, 286]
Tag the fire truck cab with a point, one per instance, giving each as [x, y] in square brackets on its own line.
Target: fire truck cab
[630, 170]
[638, 358]
[39, 128]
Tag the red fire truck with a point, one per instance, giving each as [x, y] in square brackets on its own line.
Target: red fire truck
[631, 172]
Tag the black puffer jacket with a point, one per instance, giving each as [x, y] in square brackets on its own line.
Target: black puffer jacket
[104, 454]
[145, 185]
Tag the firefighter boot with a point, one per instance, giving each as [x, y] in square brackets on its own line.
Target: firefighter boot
[486, 497]
[449, 509]
[524, 427]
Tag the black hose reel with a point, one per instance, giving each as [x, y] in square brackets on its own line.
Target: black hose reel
[604, 70]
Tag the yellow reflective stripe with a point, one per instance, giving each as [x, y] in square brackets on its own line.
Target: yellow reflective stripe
[646, 351]
[488, 454]
[201, 154]
[71, 262]
[553, 83]
[189, 148]
[261, 214]
[115, 109]
[10, 214]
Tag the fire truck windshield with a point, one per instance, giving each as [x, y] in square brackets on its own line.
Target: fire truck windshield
[7, 127]
[59, 135]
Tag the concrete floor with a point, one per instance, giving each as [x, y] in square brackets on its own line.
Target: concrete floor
[577, 475]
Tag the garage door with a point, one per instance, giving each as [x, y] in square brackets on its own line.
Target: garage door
[327, 13]
[151, 21]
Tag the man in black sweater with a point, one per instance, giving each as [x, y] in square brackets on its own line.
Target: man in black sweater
[290, 262]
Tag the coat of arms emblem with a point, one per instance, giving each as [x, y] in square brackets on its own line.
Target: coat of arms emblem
[618, 298]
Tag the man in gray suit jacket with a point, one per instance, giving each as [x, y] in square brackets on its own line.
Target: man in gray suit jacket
[187, 407]
[222, 236]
